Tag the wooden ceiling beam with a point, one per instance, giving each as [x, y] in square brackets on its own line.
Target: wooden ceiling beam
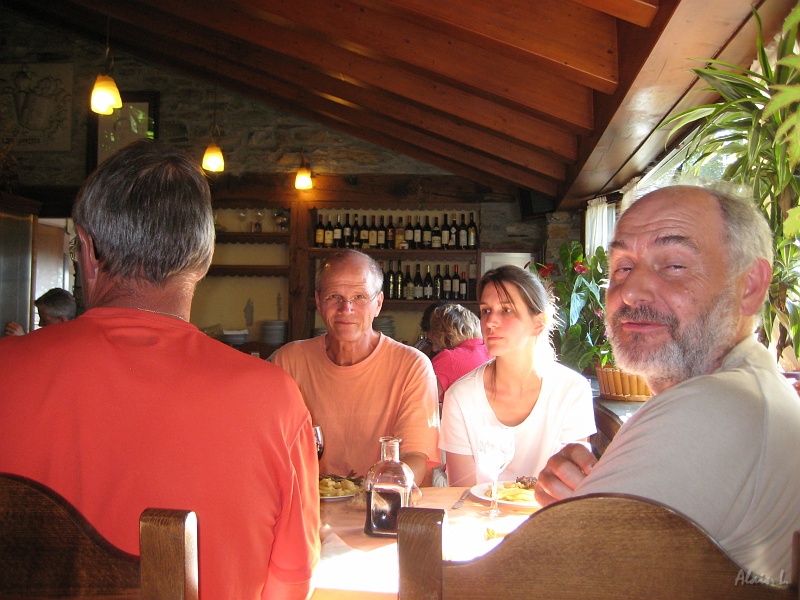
[482, 72]
[638, 12]
[565, 38]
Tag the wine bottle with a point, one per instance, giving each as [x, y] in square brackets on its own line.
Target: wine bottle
[463, 234]
[418, 285]
[338, 233]
[388, 281]
[447, 284]
[409, 283]
[319, 234]
[438, 283]
[390, 233]
[453, 241]
[356, 233]
[472, 281]
[329, 234]
[409, 235]
[436, 235]
[427, 285]
[418, 234]
[399, 235]
[456, 285]
[427, 233]
[364, 233]
[381, 237]
[399, 282]
[463, 286]
[373, 234]
[472, 232]
[347, 232]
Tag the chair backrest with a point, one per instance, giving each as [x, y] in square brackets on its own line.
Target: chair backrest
[608, 425]
[597, 546]
[48, 549]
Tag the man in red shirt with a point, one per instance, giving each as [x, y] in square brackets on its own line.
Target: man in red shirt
[130, 406]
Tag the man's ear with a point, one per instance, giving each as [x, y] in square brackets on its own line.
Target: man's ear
[89, 264]
[755, 283]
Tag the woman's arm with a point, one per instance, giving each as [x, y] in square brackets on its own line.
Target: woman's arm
[460, 470]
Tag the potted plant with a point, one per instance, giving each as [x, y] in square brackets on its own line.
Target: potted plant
[754, 126]
[582, 342]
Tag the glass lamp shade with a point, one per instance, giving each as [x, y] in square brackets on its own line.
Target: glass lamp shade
[213, 160]
[303, 179]
[105, 95]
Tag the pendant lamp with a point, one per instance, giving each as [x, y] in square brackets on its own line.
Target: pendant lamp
[213, 160]
[105, 94]
[303, 179]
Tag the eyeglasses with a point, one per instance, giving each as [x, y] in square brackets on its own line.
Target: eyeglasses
[74, 245]
[357, 300]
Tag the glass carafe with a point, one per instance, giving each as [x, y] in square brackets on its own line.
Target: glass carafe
[388, 485]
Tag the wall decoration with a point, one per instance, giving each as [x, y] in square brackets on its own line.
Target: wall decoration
[36, 106]
[137, 119]
[492, 260]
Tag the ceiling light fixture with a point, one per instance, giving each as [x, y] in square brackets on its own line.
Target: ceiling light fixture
[213, 160]
[105, 94]
[303, 179]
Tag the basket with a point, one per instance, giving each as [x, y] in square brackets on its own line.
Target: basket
[619, 385]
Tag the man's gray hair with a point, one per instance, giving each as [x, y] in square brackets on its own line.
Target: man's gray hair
[58, 303]
[374, 272]
[148, 211]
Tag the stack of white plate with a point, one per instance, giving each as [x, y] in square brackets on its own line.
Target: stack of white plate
[385, 325]
[235, 338]
[273, 333]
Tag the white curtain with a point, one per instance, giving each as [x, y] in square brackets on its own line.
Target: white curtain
[600, 220]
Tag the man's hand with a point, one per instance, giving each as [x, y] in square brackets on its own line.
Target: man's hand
[563, 472]
[13, 328]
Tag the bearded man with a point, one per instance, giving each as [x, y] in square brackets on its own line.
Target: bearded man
[689, 269]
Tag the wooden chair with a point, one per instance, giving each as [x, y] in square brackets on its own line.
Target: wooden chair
[597, 546]
[48, 549]
[608, 425]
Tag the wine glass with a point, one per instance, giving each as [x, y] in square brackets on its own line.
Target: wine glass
[259, 214]
[495, 450]
[242, 216]
[319, 440]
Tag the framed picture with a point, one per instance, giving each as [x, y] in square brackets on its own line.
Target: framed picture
[492, 260]
[137, 119]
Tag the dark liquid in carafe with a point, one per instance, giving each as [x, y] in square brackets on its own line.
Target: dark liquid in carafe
[382, 509]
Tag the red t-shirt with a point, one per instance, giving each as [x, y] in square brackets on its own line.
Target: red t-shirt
[121, 410]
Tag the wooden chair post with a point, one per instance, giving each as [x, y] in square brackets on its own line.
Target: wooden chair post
[168, 548]
[419, 547]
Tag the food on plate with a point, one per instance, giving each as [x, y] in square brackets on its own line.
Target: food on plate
[521, 490]
[491, 534]
[332, 486]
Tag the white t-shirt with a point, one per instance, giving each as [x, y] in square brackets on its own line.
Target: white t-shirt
[563, 413]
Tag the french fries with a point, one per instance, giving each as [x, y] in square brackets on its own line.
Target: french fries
[333, 486]
[513, 492]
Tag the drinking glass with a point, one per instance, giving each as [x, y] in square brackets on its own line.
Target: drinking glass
[495, 450]
[242, 216]
[319, 440]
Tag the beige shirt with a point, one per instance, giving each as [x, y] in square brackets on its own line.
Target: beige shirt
[722, 450]
[392, 392]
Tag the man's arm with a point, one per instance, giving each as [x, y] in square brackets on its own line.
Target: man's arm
[563, 472]
[418, 463]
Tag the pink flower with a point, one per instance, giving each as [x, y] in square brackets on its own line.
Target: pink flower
[545, 270]
[580, 268]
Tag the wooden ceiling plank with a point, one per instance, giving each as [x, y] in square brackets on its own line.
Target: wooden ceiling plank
[484, 72]
[338, 62]
[562, 37]
[638, 12]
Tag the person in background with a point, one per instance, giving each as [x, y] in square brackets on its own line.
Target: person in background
[129, 406]
[359, 384]
[689, 272]
[54, 306]
[546, 404]
[455, 334]
[423, 344]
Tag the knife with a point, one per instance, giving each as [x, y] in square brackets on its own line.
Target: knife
[460, 501]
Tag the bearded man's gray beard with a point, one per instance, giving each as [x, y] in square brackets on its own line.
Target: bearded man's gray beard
[694, 351]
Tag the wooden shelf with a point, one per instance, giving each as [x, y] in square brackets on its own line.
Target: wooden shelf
[429, 254]
[264, 237]
[248, 271]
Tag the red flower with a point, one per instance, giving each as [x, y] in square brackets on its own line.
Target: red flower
[545, 270]
[580, 268]
[598, 312]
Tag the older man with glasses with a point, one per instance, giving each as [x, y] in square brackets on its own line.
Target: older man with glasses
[358, 384]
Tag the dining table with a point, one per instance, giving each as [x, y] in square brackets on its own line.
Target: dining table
[356, 566]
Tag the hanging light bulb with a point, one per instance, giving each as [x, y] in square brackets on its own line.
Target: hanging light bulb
[303, 179]
[105, 94]
[213, 160]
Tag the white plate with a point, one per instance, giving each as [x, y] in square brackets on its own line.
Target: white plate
[479, 491]
[336, 497]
